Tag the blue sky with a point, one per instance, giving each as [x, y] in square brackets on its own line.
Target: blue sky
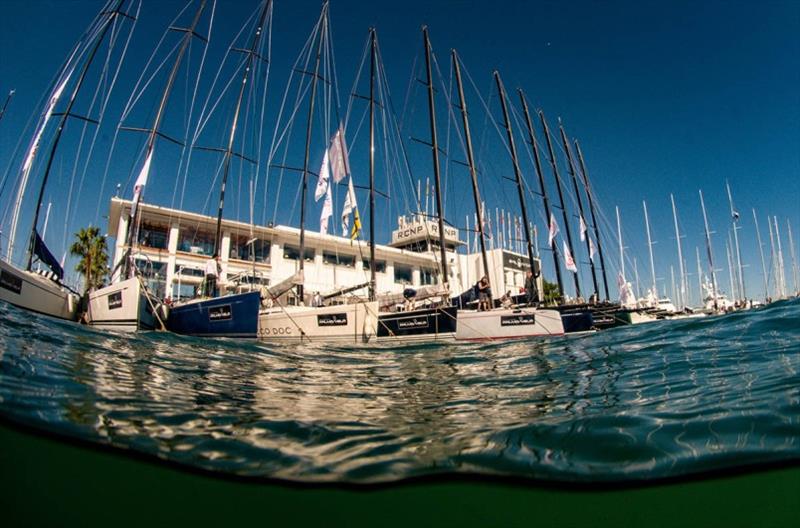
[665, 97]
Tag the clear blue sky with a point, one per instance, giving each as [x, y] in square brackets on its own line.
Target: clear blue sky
[665, 97]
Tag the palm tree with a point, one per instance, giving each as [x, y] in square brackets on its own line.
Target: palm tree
[91, 248]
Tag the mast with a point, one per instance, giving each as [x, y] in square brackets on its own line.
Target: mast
[594, 218]
[572, 172]
[153, 133]
[471, 161]
[560, 197]
[322, 27]
[773, 258]
[517, 172]
[794, 259]
[680, 253]
[781, 279]
[373, 39]
[710, 254]
[736, 228]
[251, 54]
[619, 237]
[761, 252]
[435, 151]
[650, 249]
[699, 275]
[730, 267]
[5, 105]
[62, 122]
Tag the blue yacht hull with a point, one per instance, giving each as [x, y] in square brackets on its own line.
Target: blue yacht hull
[228, 316]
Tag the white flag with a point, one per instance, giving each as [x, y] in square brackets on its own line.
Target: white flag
[338, 158]
[569, 262]
[583, 229]
[327, 212]
[141, 182]
[592, 249]
[553, 230]
[322, 180]
[350, 206]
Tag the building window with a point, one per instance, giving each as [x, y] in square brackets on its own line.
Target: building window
[153, 236]
[196, 242]
[329, 257]
[380, 265]
[241, 250]
[402, 274]
[293, 253]
[154, 275]
[428, 276]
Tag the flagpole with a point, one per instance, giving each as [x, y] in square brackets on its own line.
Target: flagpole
[538, 165]
[583, 228]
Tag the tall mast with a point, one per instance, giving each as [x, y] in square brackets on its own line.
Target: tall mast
[322, 28]
[471, 161]
[680, 253]
[710, 254]
[538, 164]
[517, 172]
[781, 274]
[621, 251]
[773, 258]
[153, 133]
[761, 252]
[699, 274]
[730, 267]
[252, 53]
[111, 15]
[794, 258]
[435, 151]
[5, 105]
[554, 166]
[594, 218]
[373, 46]
[572, 172]
[736, 228]
[650, 250]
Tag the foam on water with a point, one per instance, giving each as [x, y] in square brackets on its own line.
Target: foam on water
[659, 400]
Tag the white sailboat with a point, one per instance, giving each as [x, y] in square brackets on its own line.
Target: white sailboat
[126, 304]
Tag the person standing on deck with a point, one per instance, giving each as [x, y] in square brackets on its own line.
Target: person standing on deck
[532, 287]
[212, 274]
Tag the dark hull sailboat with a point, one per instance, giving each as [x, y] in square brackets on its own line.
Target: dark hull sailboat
[227, 316]
[429, 324]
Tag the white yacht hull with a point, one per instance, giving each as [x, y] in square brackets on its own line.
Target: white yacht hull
[33, 292]
[511, 323]
[122, 306]
[354, 323]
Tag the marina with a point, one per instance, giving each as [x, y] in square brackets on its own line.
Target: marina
[321, 247]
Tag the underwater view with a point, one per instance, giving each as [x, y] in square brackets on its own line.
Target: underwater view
[638, 403]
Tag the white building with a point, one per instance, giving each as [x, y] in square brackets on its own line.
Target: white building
[173, 247]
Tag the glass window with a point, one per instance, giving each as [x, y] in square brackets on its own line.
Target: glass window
[329, 257]
[293, 253]
[196, 242]
[241, 250]
[153, 236]
[380, 265]
[428, 276]
[402, 274]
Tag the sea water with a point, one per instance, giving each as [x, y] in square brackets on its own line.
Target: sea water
[666, 399]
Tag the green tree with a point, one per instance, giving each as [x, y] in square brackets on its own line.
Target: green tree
[90, 247]
[551, 294]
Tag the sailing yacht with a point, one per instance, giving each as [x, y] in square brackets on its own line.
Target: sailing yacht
[43, 291]
[126, 304]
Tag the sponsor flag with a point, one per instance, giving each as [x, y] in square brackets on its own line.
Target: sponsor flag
[592, 249]
[322, 180]
[351, 206]
[553, 230]
[338, 156]
[583, 229]
[327, 212]
[569, 262]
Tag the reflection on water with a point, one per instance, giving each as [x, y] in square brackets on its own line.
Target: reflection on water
[658, 400]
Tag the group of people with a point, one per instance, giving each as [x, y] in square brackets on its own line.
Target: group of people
[484, 292]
